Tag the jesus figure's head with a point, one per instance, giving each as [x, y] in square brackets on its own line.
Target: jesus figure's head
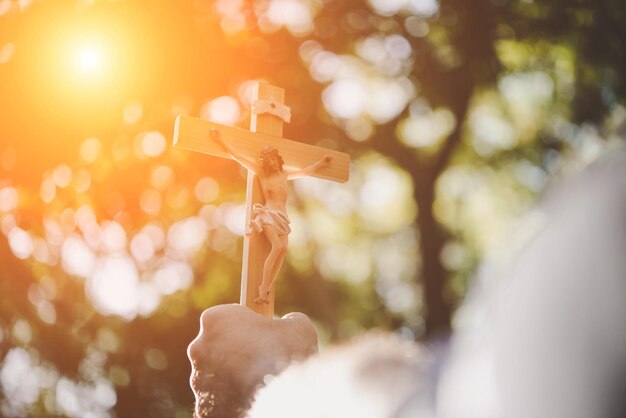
[271, 160]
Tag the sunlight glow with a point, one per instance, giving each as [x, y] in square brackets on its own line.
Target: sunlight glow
[89, 59]
[86, 63]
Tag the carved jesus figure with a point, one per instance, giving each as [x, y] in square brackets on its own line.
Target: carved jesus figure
[271, 218]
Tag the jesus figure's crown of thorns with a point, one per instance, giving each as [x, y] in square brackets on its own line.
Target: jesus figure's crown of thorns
[269, 152]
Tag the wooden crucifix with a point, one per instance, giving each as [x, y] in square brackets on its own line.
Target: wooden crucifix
[265, 134]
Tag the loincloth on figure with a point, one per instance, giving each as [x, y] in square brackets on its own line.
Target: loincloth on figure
[275, 218]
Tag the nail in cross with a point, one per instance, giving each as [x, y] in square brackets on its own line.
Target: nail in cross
[266, 129]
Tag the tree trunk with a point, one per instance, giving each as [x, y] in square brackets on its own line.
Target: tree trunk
[433, 276]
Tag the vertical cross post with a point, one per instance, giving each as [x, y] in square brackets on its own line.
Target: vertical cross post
[256, 248]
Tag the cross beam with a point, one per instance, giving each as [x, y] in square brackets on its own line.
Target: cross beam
[192, 134]
[265, 129]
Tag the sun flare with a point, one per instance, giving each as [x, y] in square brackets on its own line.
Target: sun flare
[89, 59]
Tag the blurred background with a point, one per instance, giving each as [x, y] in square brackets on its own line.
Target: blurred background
[457, 114]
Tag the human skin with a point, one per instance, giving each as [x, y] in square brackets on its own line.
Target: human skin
[236, 349]
[274, 185]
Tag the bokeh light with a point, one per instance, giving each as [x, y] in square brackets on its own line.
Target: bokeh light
[224, 110]
[114, 287]
[6, 52]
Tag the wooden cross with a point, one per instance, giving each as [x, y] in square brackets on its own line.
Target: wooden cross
[266, 128]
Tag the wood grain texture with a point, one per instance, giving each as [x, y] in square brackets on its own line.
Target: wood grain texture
[193, 134]
[257, 248]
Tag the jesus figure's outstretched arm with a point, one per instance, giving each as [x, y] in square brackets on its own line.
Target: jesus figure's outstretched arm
[310, 169]
[244, 160]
